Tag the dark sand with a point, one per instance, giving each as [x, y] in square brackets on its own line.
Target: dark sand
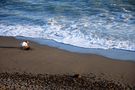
[62, 65]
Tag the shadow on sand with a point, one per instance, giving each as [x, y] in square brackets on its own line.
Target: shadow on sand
[13, 47]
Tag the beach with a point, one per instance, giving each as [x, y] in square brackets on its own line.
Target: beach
[74, 45]
[45, 60]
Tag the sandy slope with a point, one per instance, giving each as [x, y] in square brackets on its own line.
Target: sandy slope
[44, 59]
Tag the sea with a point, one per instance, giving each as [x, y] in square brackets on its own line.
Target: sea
[103, 27]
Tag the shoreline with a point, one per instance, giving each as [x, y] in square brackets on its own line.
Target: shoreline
[116, 54]
[43, 59]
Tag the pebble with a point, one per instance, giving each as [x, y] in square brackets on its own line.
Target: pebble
[25, 81]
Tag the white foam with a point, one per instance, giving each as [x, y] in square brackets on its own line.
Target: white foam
[86, 32]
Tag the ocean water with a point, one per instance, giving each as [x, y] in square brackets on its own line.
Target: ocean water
[86, 24]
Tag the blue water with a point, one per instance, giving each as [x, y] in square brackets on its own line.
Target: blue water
[87, 24]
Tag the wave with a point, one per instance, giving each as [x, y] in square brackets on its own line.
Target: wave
[86, 32]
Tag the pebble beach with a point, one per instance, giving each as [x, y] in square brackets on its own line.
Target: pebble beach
[48, 68]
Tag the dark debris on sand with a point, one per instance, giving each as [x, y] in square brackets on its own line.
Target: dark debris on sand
[25, 81]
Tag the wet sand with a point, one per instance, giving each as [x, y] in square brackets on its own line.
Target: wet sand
[49, 61]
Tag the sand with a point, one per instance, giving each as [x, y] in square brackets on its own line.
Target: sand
[52, 61]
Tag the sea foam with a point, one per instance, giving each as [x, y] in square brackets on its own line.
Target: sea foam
[85, 32]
